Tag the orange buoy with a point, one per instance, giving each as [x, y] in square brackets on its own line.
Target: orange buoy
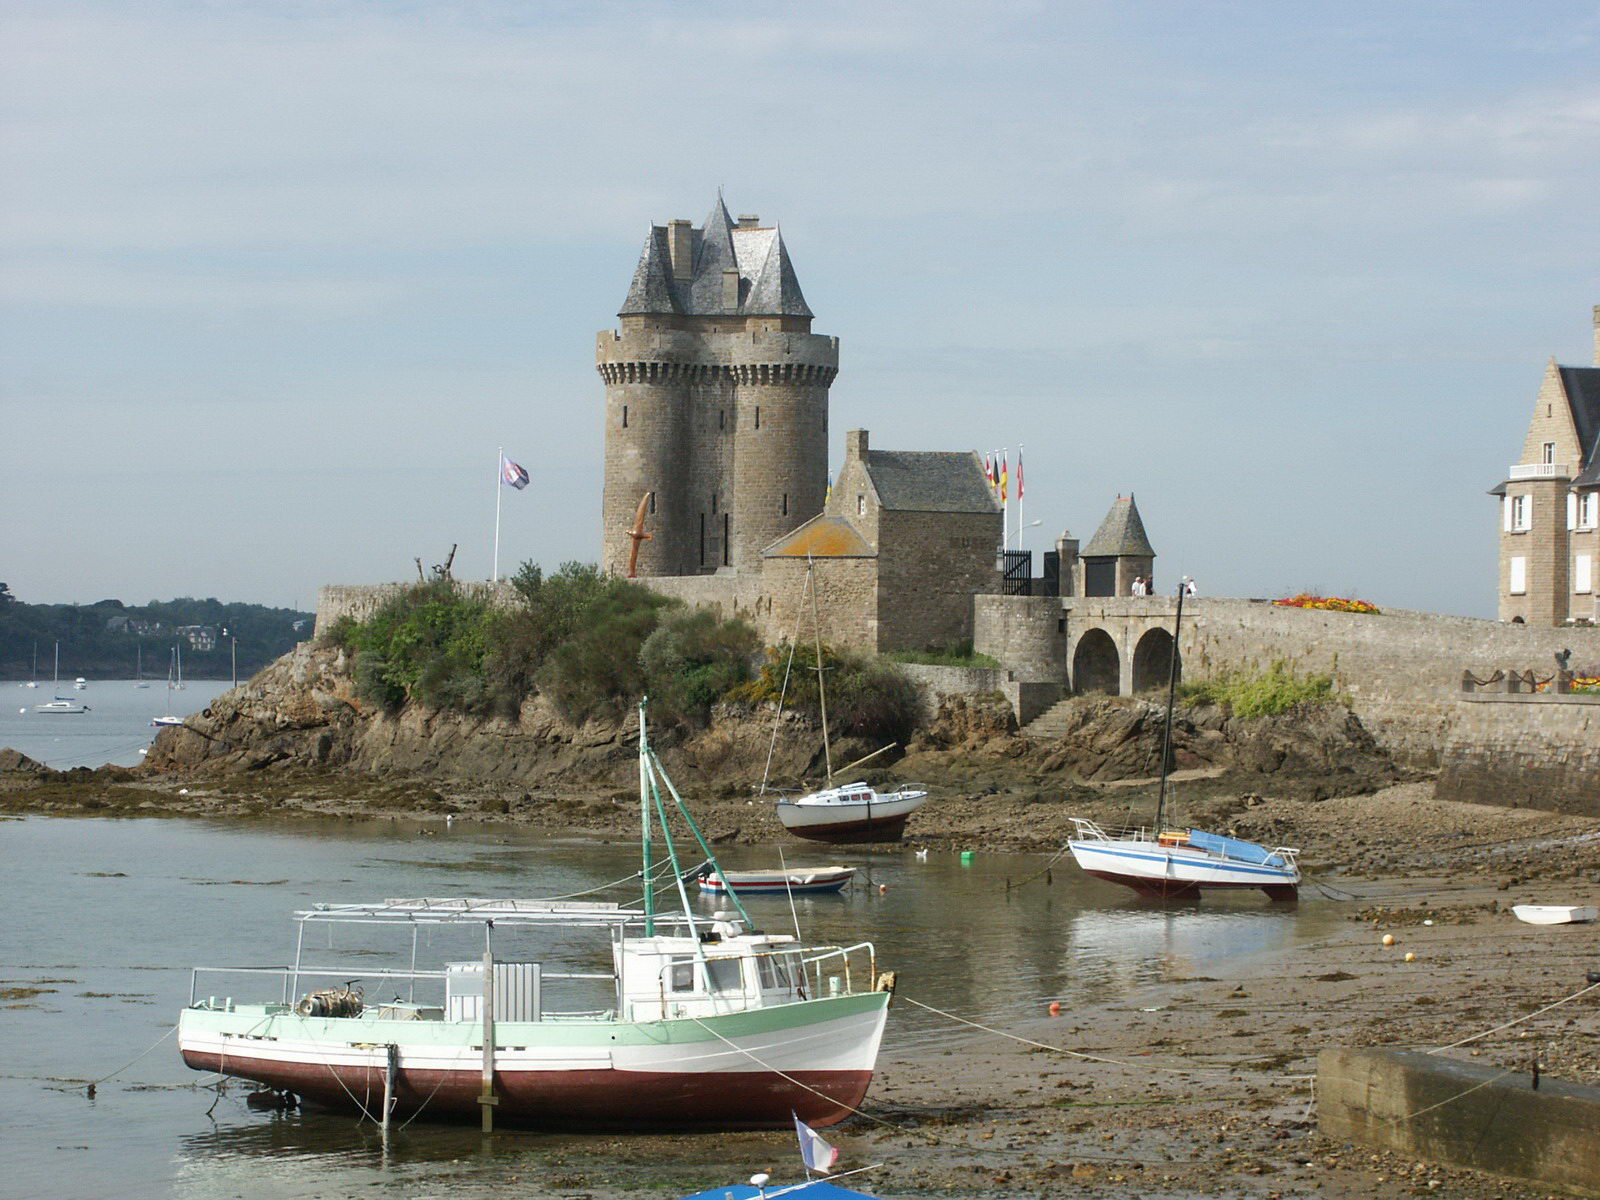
[883, 889]
[1055, 1008]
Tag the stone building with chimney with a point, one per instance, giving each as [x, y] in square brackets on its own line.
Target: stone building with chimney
[1550, 504]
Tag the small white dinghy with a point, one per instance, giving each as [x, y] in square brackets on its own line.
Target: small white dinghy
[1556, 914]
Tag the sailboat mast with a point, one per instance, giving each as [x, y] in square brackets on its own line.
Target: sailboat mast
[822, 691]
[1172, 696]
[644, 826]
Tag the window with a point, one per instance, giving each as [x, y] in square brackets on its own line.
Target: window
[624, 416]
[680, 975]
[861, 506]
[727, 541]
[1583, 573]
[1589, 510]
[786, 504]
[727, 974]
[1518, 585]
[1549, 453]
[758, 416]
[713, 502]
[652, 503]
[722, 418]
[1521, 513]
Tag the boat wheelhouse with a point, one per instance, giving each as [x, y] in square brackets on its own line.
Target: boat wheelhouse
[661, 1022]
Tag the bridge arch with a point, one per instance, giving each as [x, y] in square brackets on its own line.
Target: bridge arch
[1096, 664]
[1152, 661]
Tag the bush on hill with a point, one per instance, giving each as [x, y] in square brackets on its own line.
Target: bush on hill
[1266, 693]
[867, 697]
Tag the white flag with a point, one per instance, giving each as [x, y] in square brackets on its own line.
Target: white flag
[814, 1152]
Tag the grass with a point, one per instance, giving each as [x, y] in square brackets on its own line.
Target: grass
[958, 654]
[1269, 693]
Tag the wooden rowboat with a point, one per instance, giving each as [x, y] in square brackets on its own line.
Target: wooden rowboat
[1556, 914]
[801, 881]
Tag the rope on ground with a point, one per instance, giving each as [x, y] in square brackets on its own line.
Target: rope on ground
[1519, 1020]
[1116, 1062]
[922, 1133]
[91, 1084]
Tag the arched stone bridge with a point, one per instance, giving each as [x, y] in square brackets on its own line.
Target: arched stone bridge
[1119, 645]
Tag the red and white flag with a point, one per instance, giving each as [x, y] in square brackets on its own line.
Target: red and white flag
[512, 475]
[1019, 472]
[817, 1155]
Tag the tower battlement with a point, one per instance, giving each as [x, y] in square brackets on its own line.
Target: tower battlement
[716, 402]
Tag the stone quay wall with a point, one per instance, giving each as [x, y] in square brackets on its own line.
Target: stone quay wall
[360, 600]
[1533, 751]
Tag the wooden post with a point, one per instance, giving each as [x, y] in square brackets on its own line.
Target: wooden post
[390, 1068]
[487, 1099]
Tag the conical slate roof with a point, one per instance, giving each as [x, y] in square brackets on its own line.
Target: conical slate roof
[767, 282]
[1121, 534]
[776, 291]
[651, 291]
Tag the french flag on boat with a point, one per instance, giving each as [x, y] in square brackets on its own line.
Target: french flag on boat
[512, 475]
[817, 1155]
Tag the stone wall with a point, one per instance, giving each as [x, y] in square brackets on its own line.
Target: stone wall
[1464, 1113]
[360, 600]
[934, 683]
[931, 567]
[1535, 751]
[1025, 633]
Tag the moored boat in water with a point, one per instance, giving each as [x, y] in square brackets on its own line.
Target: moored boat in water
[696, 1023]
[800, 881]
[850, 814]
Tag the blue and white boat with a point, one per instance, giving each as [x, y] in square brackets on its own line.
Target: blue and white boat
[1178, 864]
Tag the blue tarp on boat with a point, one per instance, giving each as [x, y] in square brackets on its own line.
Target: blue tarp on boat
[816, 1190]
[1234, 848]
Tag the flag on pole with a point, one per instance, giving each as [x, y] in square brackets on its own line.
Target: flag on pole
[817, 1155]
[1005, 477]
[828, 495]
[1019, 473]
[988, 470]
[512, 475]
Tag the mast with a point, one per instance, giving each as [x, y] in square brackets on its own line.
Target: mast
[644, 824]
[822, 691]
[1172, 695]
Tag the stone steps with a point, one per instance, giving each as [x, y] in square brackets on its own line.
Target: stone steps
[1051, 724]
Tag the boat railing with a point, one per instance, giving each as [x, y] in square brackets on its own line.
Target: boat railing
[1087, 830]
[834, 971]
[367, 977]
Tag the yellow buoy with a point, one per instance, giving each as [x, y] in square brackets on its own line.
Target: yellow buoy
[1410, 957]
[1388, 939]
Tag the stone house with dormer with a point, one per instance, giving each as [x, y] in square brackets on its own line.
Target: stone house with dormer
[1550, 504]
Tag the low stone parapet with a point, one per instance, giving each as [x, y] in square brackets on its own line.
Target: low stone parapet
[1463, 1114]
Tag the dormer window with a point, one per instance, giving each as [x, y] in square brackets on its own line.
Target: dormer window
[1549, 453]
[861, 506]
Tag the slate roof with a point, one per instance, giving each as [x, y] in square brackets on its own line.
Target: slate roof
[931, 481]
[1582, 386]
[821, 537]
[768, 286]
[1121, 533]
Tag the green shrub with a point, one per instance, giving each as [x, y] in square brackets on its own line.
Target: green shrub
[342, 632]
[1267, 693]
[693, 659]
[867, 697]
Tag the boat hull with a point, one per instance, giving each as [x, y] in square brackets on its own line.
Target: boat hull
[1169, 874]
[849, 824]
[801, 883]
[813, 1059]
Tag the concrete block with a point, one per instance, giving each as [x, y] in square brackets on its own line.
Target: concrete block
[1463, 1114]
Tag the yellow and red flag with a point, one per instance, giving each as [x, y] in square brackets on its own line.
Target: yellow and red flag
[1005, 477]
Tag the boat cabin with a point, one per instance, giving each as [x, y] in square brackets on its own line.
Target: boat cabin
[667, 977]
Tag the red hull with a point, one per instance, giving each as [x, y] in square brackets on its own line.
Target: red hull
[846, 833]
[1182, 889]
[572, 1099]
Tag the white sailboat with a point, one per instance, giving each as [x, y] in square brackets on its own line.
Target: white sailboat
[174, 681]
[856, 812]
[60, 704]
[139, 681]
[1178, 864]
[33, 680]
[697, 1024]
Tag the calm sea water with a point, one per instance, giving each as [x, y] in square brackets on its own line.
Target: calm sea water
[114, 730]
[106, 916]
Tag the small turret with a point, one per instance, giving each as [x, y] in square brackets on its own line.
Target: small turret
[1118, 553]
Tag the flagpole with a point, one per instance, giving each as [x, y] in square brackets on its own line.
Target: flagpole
[499, 460]
[1019, 496]
[1005, 498]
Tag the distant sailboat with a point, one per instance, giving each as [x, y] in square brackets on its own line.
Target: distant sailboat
[177, 651]
[174, 681]
[61, 704]
[33, 680]
[139, 680]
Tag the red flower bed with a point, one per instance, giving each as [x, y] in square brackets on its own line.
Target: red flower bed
[1327, 603]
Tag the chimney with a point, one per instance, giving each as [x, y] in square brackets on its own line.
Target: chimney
[855, 444]
[749, 221]
[680, 245]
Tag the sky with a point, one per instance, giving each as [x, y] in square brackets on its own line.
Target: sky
[277, 279]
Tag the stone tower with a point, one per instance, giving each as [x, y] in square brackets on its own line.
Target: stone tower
[716, 400]
[1119, 551]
